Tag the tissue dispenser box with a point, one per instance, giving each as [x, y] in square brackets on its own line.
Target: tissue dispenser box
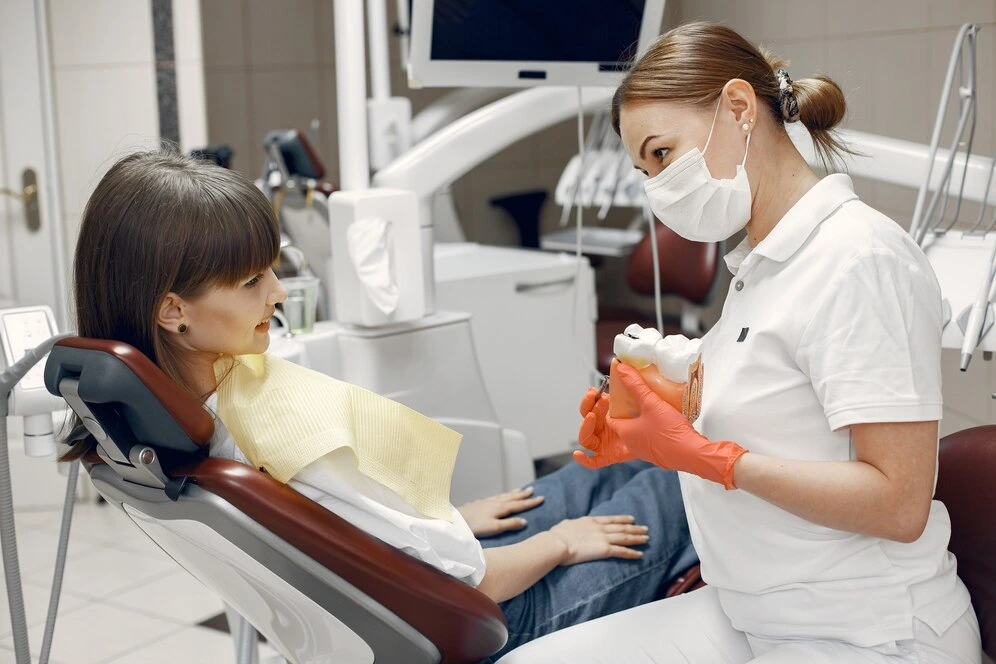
[404, 247]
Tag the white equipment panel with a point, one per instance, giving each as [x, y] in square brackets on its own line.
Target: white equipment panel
[532, 352]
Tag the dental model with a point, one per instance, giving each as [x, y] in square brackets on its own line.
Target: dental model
[671, 366]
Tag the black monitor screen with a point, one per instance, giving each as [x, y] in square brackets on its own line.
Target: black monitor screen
[604, 31]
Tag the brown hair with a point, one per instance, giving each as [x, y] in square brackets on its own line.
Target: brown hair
[693, 62]
[161, 222]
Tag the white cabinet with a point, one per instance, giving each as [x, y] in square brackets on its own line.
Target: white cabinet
[534, 334]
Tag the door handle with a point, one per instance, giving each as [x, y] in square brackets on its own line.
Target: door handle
[28, 197]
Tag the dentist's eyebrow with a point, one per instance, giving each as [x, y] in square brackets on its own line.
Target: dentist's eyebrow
[643, 146]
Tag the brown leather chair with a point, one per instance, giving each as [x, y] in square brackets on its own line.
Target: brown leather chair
[315, 586]
[967, 466]
[688, 270]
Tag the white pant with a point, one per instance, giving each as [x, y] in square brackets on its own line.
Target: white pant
[693, 628]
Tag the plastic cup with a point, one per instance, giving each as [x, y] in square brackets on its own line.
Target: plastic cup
[301, 304]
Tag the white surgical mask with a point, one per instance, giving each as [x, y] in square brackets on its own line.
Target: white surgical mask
[695, 205]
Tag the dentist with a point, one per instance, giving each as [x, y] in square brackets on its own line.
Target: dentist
[808, 477]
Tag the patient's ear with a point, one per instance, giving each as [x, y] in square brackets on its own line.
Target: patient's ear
[170, 314]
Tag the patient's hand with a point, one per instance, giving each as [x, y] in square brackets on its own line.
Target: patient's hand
[489, 516]
[597, 537]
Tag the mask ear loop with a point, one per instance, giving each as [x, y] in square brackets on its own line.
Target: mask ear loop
[743, 164]
[713, 127]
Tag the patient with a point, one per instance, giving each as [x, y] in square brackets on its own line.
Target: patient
[174, 258]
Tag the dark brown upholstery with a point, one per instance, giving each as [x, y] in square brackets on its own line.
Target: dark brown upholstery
[690, 580]
[185, 409]
[687, 269]
[966, 486]
[464, 625]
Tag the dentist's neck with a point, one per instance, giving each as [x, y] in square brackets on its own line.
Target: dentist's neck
[784, 178]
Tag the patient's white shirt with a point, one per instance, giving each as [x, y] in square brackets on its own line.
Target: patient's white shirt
[335, 483]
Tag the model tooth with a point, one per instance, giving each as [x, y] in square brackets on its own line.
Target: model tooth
[673, 354]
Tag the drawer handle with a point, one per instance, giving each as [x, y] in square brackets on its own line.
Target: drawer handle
[526, 288]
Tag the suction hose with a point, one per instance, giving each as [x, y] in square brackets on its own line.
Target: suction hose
[60, 561]
[8, 538]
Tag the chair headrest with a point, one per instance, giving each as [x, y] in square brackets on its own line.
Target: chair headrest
[687, 269]
[967, 463]
[115, 379]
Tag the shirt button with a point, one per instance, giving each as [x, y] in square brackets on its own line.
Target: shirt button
[739, 286]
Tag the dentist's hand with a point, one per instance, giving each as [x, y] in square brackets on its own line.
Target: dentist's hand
[606, 446]
[592, 398]
[659, 434]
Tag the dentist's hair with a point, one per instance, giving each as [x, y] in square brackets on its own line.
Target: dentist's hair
[693, 62]
[161, 222]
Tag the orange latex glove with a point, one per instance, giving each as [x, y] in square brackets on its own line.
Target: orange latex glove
[588, 402]
[659, 434]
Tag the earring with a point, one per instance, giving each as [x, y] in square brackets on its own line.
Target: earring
[182, 328]
[745, 126]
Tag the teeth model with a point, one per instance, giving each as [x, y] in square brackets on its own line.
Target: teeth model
[672, 355]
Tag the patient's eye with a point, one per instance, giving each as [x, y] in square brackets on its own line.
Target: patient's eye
[255, 280]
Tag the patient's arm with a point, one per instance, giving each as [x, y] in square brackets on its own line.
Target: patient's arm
[493, 516]
[512, 569]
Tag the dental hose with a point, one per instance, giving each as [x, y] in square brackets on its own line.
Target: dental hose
[8, 532]
[578, 272]
[652, 221]
[8, 536]
[60, 561]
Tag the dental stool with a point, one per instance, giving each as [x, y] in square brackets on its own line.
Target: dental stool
[966, 467]
[687, 269]
[318, 589]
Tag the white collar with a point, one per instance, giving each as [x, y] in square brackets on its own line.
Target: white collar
[792, 231]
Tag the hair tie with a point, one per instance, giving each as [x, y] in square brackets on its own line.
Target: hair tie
[786, 97]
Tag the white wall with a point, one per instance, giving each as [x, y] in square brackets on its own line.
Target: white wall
[189, 53]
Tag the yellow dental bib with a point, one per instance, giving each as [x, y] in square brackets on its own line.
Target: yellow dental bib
[284, 416]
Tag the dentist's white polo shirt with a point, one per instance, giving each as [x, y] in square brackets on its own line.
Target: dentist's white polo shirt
[833, 319]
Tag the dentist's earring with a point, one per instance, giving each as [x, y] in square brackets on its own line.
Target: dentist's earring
[745, 126]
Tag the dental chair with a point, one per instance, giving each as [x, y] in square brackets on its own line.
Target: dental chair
[966, 466]
[318, 589]
[688, 270]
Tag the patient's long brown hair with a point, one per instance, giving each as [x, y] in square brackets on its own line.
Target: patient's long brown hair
[161, 222]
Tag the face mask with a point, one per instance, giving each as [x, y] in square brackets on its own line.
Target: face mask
[695, 205]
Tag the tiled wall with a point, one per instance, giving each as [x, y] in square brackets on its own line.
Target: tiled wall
[269, 65]
[105, 91]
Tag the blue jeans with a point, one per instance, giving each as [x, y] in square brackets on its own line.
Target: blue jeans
[571, 595]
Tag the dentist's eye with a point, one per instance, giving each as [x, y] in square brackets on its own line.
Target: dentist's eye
[660, 153]
[255, 280]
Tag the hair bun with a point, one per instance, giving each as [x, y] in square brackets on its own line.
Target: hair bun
[821, 103]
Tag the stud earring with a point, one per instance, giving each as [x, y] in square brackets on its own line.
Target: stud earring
[745, 126]
[182, 328]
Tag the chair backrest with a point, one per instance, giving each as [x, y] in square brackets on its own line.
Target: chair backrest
[687, 269]
[966, 486]
[314, 585]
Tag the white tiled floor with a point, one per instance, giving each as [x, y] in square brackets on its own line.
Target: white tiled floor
[123, 600]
